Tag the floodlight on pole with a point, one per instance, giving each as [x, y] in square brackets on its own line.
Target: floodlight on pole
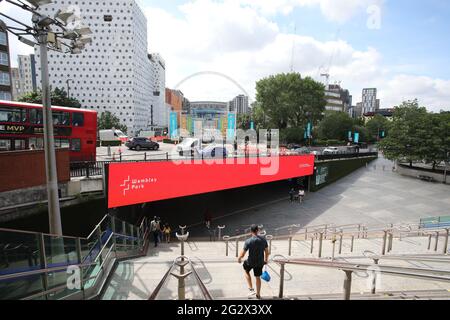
[83, 31]
[38, 3]
[26, 41]
[85, 40]
[2, 24]
[63, 16]
[70, 34]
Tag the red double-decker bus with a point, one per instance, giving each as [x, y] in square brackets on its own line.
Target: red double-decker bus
[22, 128]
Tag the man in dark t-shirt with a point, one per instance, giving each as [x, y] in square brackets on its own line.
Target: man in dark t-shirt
[258, 256]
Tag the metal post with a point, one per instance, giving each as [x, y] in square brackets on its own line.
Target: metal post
[340, 243]
[352, 244]
[437, 241]
[226, 238]
[124, 231]
[181, 284]
[446, 241]
[290, 245]
[220, 231]
[374, 278]
[145, 156]
[237, 248]
[54, 213]
[167, 156]
[43, 258]
[320, 244]
[334, 248]
[391, 240]
[113, 227]
[182, 229]
[306, 233]
[347, 284]
[383, 249]
[429, 242]
[280, 293]
[80, 261]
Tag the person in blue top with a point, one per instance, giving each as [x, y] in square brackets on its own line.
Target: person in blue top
[258, 257]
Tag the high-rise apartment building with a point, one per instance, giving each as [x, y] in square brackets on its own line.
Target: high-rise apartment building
[27, 72]
[159, 111]
[113, 73]
[240, 105]
[370, 103]
[5, 66]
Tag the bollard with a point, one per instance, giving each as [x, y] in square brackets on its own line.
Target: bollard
[391, 240]
[340, 243]
[334, 248]
[237, 248]
[220, 231]
[383, 249]
[359, 231]
[374, 278]
[429, 242]
[270, 238]
[437, 241]
[347, 284]
[352, 244]
[306, 234]
[182, 229]
[290, 246]
[280, 293]
[226, 238]
[312, 245]
[320, 244]
[446, 241]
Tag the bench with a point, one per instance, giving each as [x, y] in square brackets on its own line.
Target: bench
[426, 178]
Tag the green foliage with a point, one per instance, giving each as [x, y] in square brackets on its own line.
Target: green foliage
[416, 135]
[375, 126]
[244, 121]
[107, 121]
[292, 135]
[58, 98]
[288, 100]
[335, 125]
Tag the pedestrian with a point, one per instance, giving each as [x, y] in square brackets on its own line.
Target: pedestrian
[208, 219]
[258, 257]
[155, 229]
[167, 231]
[301, 195]
[291, 194]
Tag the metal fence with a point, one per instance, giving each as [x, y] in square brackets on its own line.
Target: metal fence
[96, 168]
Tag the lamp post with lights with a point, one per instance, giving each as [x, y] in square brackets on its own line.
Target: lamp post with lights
[49, 33]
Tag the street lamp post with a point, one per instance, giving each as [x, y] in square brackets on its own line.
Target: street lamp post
[47, 33]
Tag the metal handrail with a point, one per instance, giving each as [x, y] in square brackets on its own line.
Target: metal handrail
[349, 268]
[184, 262]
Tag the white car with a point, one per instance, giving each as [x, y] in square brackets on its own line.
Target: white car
[188, 146]
[331, 150]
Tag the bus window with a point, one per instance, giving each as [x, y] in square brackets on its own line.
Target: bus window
[12, 115]
[36, 116]
[62, 143]
[61, 118]
[5, 145]
[38, 143]
[19, 144]
[77, 119]
[76, 145]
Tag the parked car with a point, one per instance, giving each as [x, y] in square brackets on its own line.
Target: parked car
[212, 151]
[188, 146]
[331, 150]
[141, 143]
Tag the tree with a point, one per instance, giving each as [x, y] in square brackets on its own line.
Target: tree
[107, 121]
[375, 126]
[335, 125]
[58, 98]
[410, 134]
[244, 121]
[289, 101]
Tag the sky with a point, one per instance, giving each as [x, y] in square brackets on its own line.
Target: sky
[400, 47]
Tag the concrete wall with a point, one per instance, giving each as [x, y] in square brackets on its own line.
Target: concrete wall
[26, 169]
[328, 172]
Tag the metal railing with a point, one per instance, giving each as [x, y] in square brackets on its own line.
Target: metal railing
[43, 266]
[96, 168]
[350, 268]
[181, 262]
